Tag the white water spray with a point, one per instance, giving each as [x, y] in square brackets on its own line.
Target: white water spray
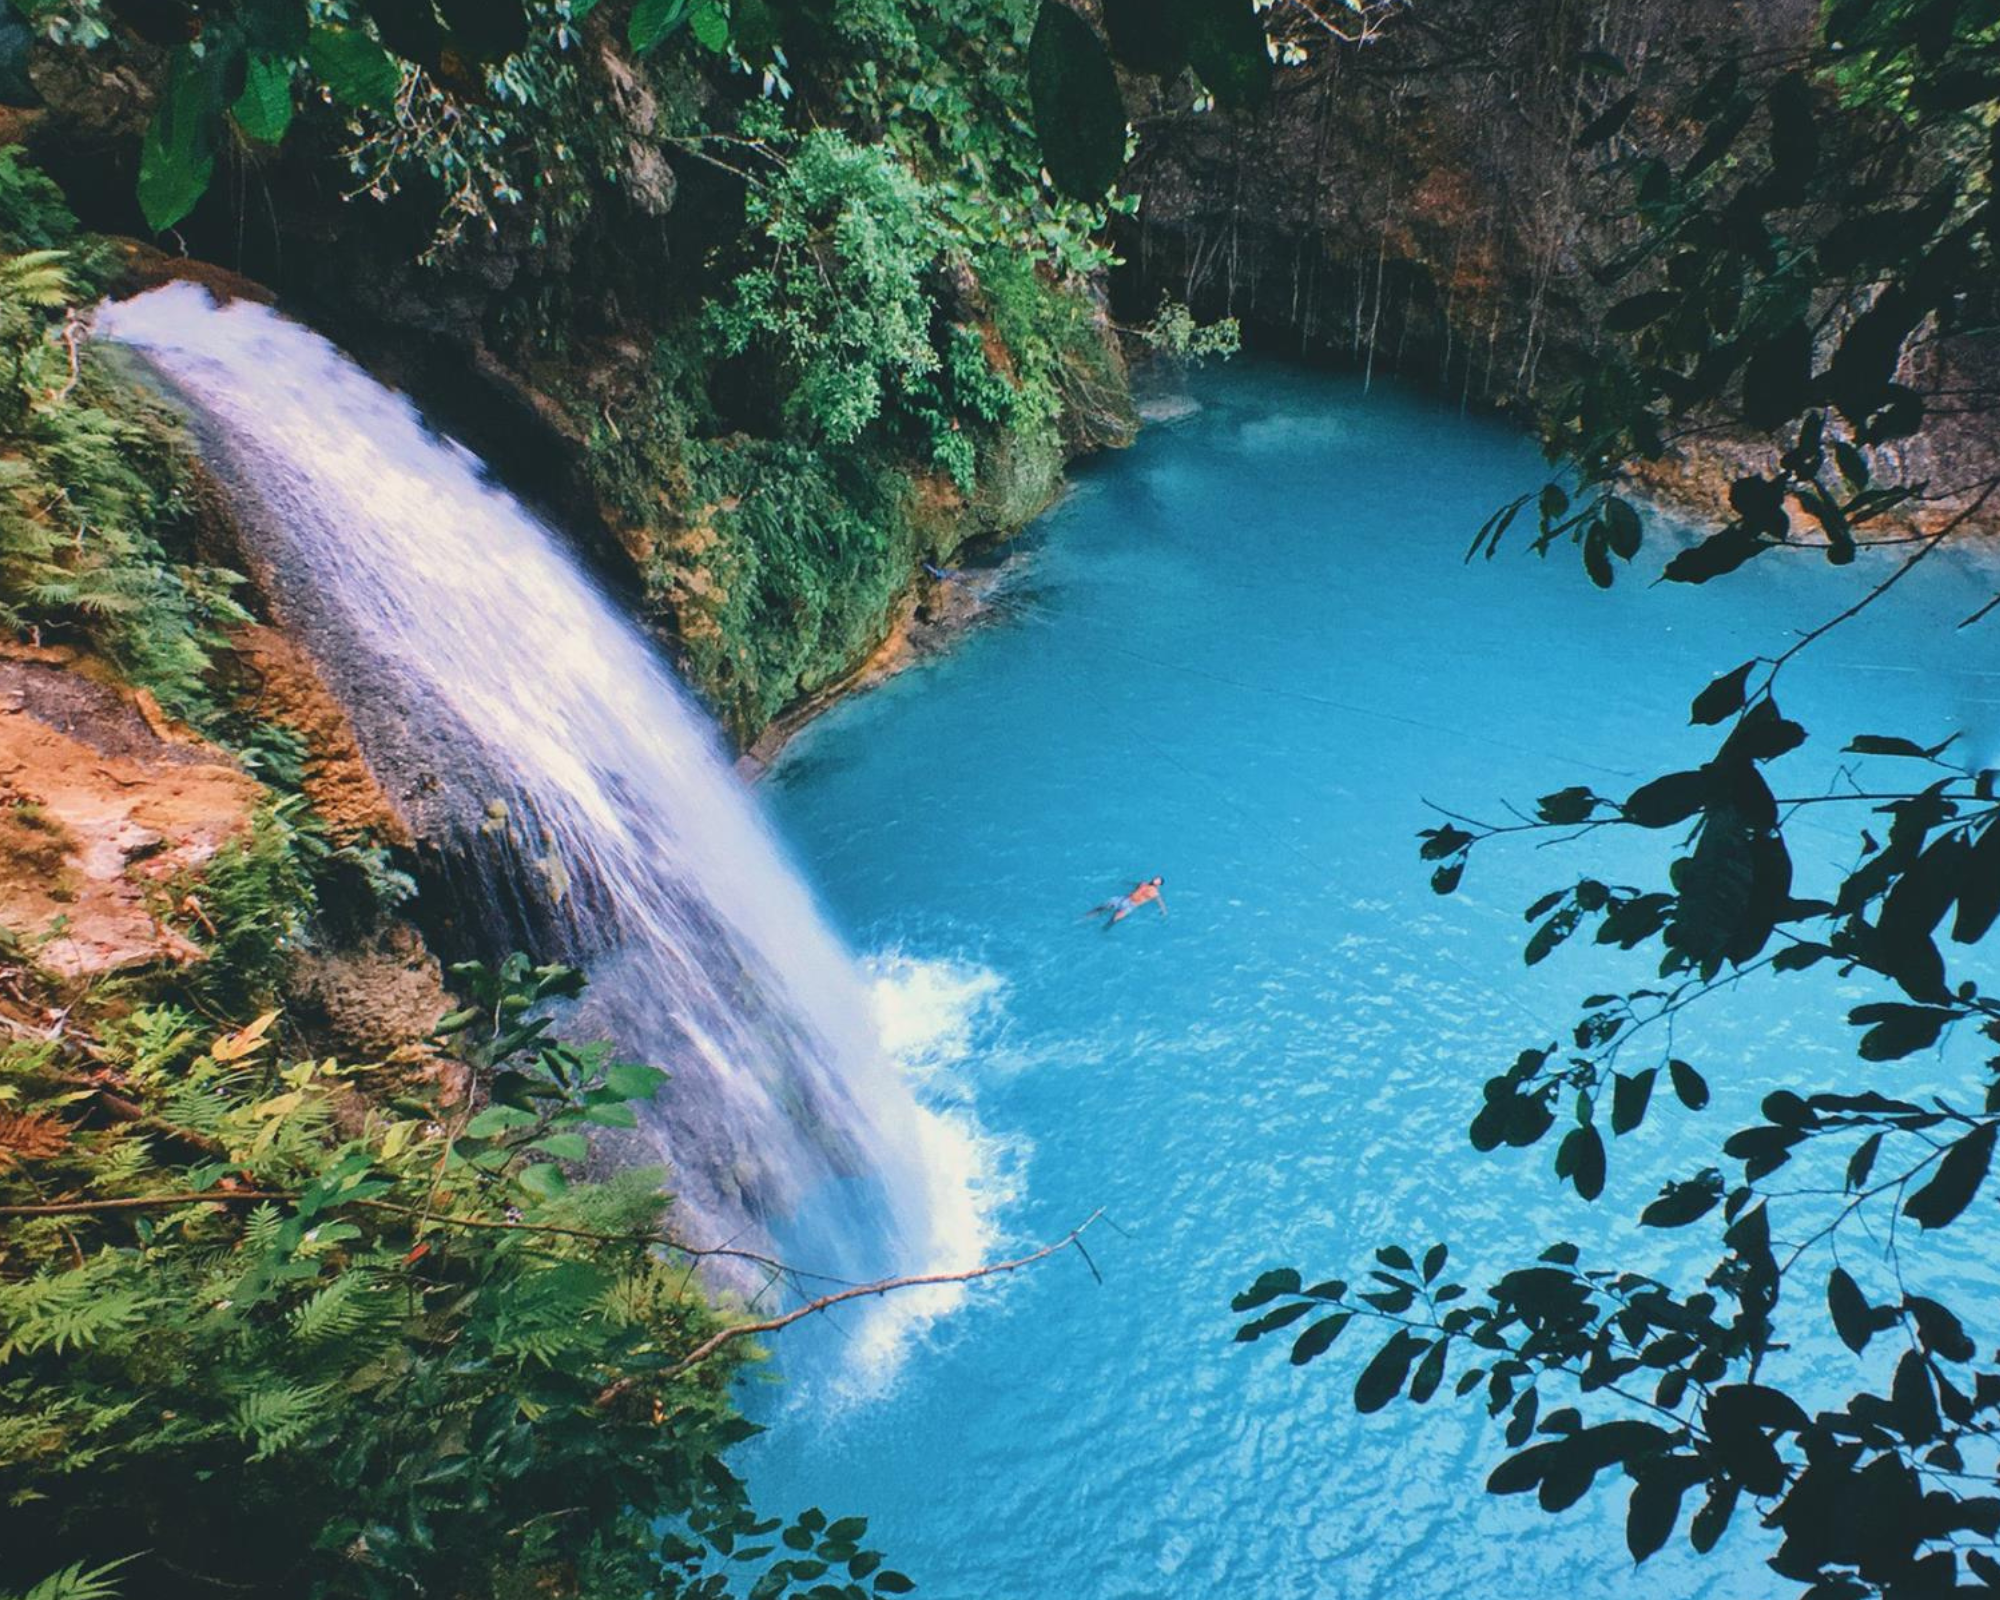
[494, 686]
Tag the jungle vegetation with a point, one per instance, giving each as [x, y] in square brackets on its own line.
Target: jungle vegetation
[1810, 255]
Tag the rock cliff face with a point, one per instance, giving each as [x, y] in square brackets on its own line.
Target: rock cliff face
[1419, 208]
[285, 686]
[107, 816]
[1416, 206]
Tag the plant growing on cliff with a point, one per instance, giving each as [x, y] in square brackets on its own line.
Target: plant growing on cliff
[304, 1328]
[90, 472]
[1817, 258]
[852, 239]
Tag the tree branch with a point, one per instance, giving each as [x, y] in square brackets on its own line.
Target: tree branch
[745, 1330]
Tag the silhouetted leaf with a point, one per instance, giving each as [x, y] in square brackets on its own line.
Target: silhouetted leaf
[1597, 557]
[1723, 697]
[1777, 384]
[1762, 735]
[1979, 888]
[1884, 744]
[1225, 45]
[160, 22]
[1688, 1085]
[1629, 1099]
[1143, 37]
[1565, 806]
[488, 30]
[1794, 141]
[1862, 1162]
[1429, 1374]
[1622, 529]
[1716, 555]
[1580, 1157]
[1079, 117]
[1318, 1339]
[1441, 842]
[1607, 122]
[1269, 1285]
[1912, 1402]
[1496, 525]
[1956, 1180]
[1712, 1520]
[1382, 1379]
[1896, 1030]
[1849, 1309]
[1272, 1321]
[410, 28]
[1681, 1203]
[1853, 464]
[1939, 1330]
[1651, 1513]
[1668, 800]
[1742, 1420]
[1640, 310]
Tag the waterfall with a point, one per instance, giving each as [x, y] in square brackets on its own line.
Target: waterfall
[504, 700]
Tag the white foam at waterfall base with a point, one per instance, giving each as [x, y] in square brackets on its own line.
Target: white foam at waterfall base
[932, 1016]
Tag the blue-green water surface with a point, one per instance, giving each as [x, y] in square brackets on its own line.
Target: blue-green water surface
[1243, 655]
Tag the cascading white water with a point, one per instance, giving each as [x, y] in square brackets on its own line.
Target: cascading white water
[589, 799]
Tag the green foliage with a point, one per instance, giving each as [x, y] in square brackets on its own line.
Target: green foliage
[852, 239]
[90, 470]
[853, 312]
[75, 1583]
[251, 908]
[948, 85]
[34, 215]
[238, 63]
[1804, 265]
[1078, 116]
[810, 549]
[307, 1329]
[1797, 269]
[1173, 332]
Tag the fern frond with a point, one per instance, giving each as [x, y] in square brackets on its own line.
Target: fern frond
[261, 1229]
[66, 1311]
[346, 1307]
[75, 1583]
[36, 278]
[276, 1418]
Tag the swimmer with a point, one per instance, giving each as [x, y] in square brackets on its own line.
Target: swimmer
[1126, 904]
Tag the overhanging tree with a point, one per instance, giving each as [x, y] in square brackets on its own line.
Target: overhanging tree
[1809, 263]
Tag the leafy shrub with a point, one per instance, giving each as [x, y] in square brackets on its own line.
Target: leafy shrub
[251, 907]
[91, 471]
[303, 1329]
[852, 242]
